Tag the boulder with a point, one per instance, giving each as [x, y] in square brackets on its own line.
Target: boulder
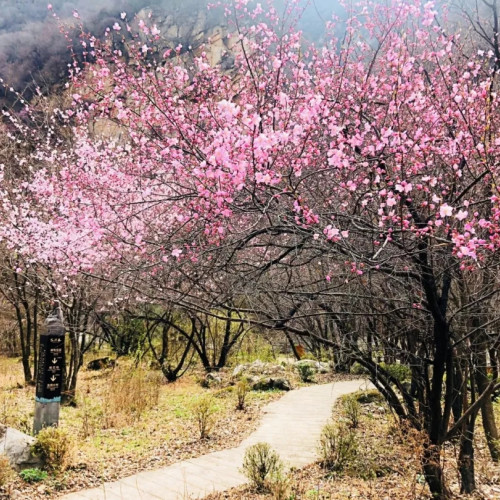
[317, 366]
[101, 363]
[212, 379]
[257, 368]
[269, 383]
[16, 446]
[238, 370]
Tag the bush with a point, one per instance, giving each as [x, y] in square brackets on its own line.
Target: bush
[357, 369]
[33, 475]
[5, 470]
[401, 373]
[242, 388]
[367, 397]
[306, 372]
[260, 464]
[351, 410]
[203, 409]
[337, 447]
[53, 445]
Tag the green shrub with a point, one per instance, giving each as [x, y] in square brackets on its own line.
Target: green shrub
[5, 470]
[401, 373]
[260, 464]
[202, 410]
[33, 475]
[367, 397]
[54, 446]
[242, 388]
[337, 447]
[357, 369]
[306, 372]
[351, 410]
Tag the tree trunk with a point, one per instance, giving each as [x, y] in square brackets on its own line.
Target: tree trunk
[25, 348]
[487, 413]
[466, 458]
[489, 424]
[434, 473]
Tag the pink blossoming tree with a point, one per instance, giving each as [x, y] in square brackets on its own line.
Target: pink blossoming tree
[358, 178]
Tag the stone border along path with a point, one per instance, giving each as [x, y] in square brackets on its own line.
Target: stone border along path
[291, 425]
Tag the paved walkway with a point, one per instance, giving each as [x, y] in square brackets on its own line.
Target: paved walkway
[292, 426]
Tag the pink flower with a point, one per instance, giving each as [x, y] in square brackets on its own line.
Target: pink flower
[445, 210]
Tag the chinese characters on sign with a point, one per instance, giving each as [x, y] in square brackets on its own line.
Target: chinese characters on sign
[50, 368]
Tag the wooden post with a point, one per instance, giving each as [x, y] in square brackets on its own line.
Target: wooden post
[50, 373]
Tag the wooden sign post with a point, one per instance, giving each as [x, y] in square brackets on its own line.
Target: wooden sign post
[50, 373]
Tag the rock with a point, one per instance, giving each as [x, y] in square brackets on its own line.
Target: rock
[269, 383]
[257, 368]
[212, 379]
[101, 363]
[317, 366]
[238, 370]
[16, 446]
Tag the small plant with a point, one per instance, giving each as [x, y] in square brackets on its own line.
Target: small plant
[203, 409]
[260, 464]
[358, 369]
[337, 447]
[33, 475]
[54, 446]
[351, 410]
[242, 388]
[5, 470]
[278, 485]
[306, 372]
[91, 416]
[367, 397]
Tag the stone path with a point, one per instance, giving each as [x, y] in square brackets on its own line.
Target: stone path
[291, 425]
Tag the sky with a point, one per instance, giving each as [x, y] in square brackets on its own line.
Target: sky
[33, 49]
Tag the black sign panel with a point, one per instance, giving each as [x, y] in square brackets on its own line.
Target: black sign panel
[50, 368]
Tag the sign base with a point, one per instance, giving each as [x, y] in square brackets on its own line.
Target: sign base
[46, 415]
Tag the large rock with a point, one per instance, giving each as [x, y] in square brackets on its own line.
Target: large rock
[101, 363]
[211, 379]
[195, 30]
[16, 446]
[269, 383]
[257, 368]
[317, 366]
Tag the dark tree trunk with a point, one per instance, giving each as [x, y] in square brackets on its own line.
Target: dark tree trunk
[487, 412]
[466, 459]
[434, 473]
[25, 348]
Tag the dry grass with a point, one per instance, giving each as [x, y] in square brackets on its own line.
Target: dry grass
[16, 401]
